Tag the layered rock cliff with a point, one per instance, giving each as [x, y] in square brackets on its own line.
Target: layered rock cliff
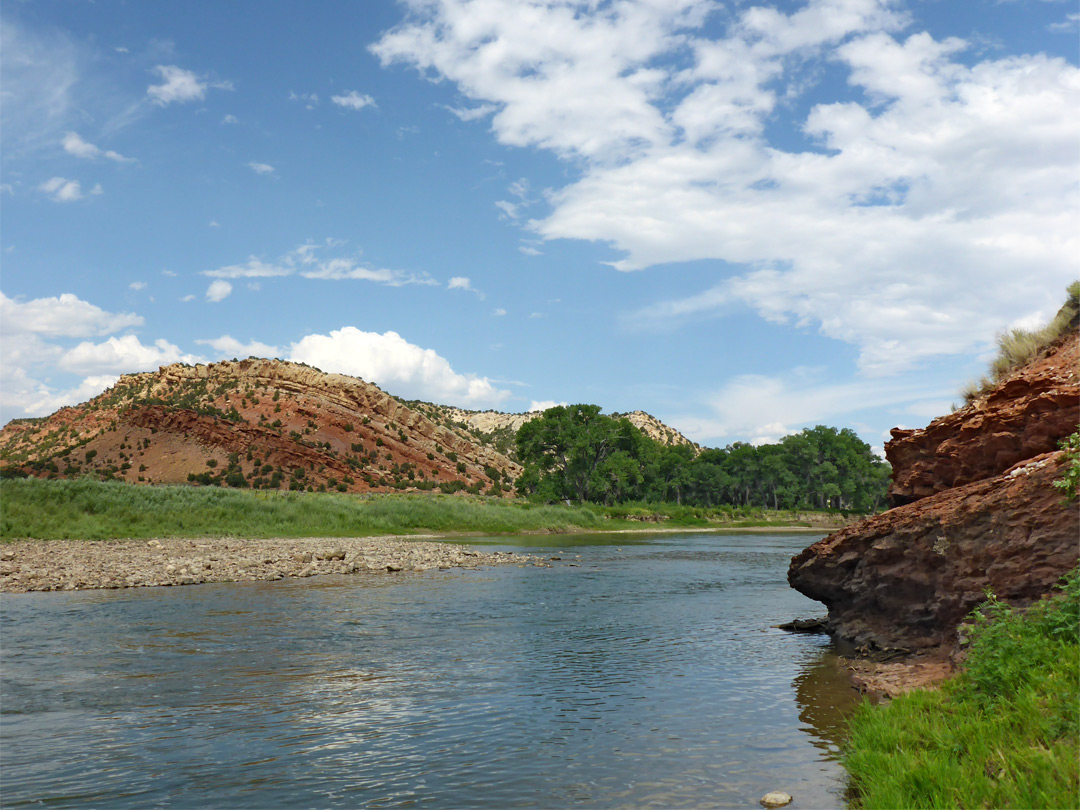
[975, 511]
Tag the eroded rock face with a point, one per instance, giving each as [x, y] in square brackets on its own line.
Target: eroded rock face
[1028, 414]
[975, 509]
[907, 578]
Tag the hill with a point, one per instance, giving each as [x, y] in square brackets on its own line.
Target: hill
[265, 424]
[272, 424]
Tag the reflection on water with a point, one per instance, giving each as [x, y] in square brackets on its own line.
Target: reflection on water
[648, 676]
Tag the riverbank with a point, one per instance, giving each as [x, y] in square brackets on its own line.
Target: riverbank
[59, 565]
[1003, 733]
[87, 509]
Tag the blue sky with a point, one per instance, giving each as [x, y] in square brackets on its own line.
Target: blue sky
[743, 218]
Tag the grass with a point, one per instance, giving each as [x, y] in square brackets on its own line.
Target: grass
[96, 510]
[1005, 733]
[1017, 347]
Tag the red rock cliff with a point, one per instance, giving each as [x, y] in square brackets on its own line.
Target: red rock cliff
[976, 511]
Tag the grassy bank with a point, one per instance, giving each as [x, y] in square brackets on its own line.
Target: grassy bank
[1005, 733]
[96, 510]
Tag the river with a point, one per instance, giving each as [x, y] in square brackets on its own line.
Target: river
[637, 672]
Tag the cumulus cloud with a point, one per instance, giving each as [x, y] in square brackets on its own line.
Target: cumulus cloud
[122, 355]
[178, 85]
[218, 291]
[930, 202]
[353, 100]
[543, 405]
[402, 368]
[227, 346]
[74, 145]
[60, 189]
[66, 315]
[230, 119]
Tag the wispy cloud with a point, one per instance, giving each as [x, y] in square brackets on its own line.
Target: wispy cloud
[74, 145]
[353, 100]
[60, 189]
[218, 291]
[177, 86]
[262, 168]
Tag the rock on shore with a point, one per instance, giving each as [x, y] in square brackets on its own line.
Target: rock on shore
[975, 511]
[54, 565]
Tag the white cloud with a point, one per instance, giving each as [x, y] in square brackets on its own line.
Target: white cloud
[499, 312]
[402, 368]
[353, 100]
[228, 346]
[230, 119]
[305, 261]
[64, 316]
[934, 200]
[39, 400]
[218, 291]
[178, 85]
[213, 224]
[261, 168]
[74, 145]
[463, 283]
[543, 405]
[122, 355]
[254, 268]
[1068, 25]
[137, 285]
[471, 113]
[60, 189]
[188, 299]
[762, 408]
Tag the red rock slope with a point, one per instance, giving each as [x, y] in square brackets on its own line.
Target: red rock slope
[976, 511]
[265, 424]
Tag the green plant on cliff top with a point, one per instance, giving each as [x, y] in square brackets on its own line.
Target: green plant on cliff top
[1002, 734]
[1017, 347]
[1070, 476]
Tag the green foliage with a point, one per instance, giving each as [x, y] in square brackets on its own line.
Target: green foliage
[577, 453]
[1070, 477]
[1003, 734]
[1017, 347]
[95, 510]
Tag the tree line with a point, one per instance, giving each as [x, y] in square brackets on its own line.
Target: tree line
[576, 453]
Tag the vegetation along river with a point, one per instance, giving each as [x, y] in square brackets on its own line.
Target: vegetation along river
[638, 671]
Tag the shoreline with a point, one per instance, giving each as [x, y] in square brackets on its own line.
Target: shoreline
[31, 565]
[70, 565]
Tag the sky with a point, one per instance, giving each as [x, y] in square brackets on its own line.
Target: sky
[744, 218]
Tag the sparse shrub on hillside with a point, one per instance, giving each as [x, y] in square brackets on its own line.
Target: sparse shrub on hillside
[1017, 347]
[1070, 477]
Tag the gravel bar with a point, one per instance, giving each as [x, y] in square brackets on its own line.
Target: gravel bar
[69, 565]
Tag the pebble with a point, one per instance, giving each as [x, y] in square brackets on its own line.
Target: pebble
[775, 798]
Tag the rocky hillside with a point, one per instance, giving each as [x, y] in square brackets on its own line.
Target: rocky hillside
[266, 424]
[974, 510]
[500, 428]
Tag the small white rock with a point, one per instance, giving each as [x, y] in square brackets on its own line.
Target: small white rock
[776, 798]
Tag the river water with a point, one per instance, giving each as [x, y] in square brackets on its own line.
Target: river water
[636, 672]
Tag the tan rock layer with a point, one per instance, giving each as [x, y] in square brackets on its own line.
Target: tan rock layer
[907, 578]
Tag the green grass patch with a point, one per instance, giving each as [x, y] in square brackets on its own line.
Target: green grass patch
[98, 510]
[1004, 733]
